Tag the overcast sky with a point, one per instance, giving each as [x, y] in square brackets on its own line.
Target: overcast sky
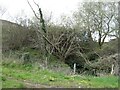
[57, 7]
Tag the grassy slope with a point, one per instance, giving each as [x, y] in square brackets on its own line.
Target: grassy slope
[19, 76]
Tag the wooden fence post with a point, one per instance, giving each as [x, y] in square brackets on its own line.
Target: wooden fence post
[74, 68]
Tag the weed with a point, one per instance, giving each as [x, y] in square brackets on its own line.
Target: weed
[3, 78]
[55, 79]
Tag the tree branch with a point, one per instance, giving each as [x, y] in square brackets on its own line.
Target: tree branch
[33, 10]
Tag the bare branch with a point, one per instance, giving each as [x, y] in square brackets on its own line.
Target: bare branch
[33, 10]
[49, 42]
[2, 11]
[36, 4]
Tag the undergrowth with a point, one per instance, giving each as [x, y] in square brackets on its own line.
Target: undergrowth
[20, 72]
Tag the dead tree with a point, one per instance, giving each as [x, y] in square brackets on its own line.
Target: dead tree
[43, 27]
[64, 45]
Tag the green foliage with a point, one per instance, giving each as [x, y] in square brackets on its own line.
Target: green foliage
[12, 84]
[3, 78]
[109, 48]
[53, 79]
[32, 52]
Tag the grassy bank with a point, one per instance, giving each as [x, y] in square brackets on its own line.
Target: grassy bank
[23, 76]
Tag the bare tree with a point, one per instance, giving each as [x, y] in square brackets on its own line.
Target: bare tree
[62, 41]
[21, 19]
[61, 44]
[98, 19]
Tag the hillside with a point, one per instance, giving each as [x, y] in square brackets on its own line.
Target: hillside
[15, 36]
[23, 52]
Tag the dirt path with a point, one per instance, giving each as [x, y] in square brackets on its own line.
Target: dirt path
[29, 84]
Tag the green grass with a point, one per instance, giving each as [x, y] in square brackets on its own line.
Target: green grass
[49, 78]
[12, 84]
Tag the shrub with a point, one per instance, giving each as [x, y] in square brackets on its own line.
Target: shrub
[15, 36]
[92, 56]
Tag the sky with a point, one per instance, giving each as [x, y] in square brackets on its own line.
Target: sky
[56, 7]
